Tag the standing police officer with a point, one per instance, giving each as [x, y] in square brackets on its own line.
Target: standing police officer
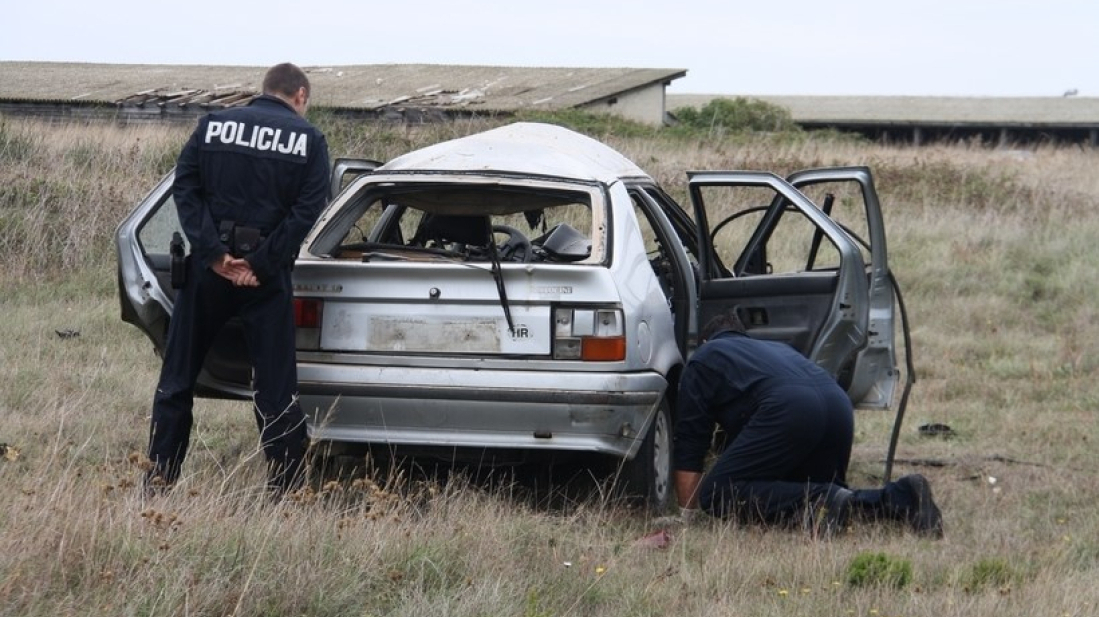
[249, 184]
[790, 428]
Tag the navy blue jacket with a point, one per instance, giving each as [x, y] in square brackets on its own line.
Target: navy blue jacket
[727, 380]
[261, 166]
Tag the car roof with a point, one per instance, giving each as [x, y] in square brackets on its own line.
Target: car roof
[529, 148]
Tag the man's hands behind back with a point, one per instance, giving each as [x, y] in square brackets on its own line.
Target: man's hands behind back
[236, 271]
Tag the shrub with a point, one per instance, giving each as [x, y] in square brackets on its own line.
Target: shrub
[737, 115]
[879, 569]
[988, 573]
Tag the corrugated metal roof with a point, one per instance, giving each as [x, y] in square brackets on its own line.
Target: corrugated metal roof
[932, 110]
[353, 87]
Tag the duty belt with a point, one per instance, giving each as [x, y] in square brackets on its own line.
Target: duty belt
[241, 240]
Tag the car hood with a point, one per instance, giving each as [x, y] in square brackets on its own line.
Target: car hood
[528, 148]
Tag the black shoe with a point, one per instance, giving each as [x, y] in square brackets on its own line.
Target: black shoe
[154, 485]
[285, 477]
[922, 515]
[832, 512]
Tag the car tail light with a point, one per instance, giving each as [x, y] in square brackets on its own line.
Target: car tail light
[589, 334]
[307, 320]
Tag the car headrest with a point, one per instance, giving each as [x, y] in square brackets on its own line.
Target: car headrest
[470, 230]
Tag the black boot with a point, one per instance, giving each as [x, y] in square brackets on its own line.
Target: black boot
[828, 515]
[910, 499]
[160, 477]
[837, 510]
[285, 476]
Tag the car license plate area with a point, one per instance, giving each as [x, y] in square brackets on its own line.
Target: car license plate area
[422, 334]
[430, 330]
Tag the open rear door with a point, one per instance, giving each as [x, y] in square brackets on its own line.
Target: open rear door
[847, 195]
[788, 270]
[144, 278]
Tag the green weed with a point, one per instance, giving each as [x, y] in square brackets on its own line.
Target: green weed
[989, 573]
[879, 570]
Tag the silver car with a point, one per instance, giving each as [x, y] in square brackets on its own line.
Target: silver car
[530, 290]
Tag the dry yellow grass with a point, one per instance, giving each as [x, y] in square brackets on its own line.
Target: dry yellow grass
[994, 251]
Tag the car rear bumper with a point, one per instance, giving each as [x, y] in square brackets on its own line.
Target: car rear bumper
[538, 410]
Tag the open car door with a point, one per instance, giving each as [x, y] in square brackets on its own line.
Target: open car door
[789, 271]
[847, 195]
[143, 242]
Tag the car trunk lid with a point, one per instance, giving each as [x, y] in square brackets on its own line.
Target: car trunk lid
[443, 308]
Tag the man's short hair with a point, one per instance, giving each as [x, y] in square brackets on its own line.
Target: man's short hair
[285, 79]
[723, 322]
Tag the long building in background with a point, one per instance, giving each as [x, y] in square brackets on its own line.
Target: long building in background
[409, 92]
[427, 92]
[999, 121]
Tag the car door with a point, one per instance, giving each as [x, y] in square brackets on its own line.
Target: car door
[143, 242]
[848, 196]
[790, 272]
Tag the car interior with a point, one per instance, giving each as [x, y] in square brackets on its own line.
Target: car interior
[462, 225]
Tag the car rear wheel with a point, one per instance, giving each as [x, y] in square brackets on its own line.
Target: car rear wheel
[647, 479]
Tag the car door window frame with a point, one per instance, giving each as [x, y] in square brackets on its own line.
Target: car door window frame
[842, 330]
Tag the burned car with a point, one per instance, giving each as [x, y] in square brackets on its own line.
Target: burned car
[530, 290]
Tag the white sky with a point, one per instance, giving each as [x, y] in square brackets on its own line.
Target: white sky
[843, 47]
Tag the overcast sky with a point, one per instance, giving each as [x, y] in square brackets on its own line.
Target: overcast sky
[932, 47]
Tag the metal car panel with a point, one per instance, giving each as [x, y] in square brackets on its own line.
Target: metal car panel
[596, 412]
[524, 148]
[648, 319]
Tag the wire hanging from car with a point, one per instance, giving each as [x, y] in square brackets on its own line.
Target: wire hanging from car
[498, 276]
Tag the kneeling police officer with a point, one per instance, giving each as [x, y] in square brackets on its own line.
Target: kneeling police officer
[790, 428]
[249, 184]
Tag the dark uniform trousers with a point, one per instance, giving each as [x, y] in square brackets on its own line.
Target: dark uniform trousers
[793, 449]
[205, 303]
[791, 455]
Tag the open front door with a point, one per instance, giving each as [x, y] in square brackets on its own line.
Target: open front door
[788, 270]
[146, 295]
[847, 195]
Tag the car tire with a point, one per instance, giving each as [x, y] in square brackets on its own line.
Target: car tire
[330, 460]
[647, 478]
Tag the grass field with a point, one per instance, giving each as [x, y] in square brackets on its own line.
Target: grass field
[995, 252]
